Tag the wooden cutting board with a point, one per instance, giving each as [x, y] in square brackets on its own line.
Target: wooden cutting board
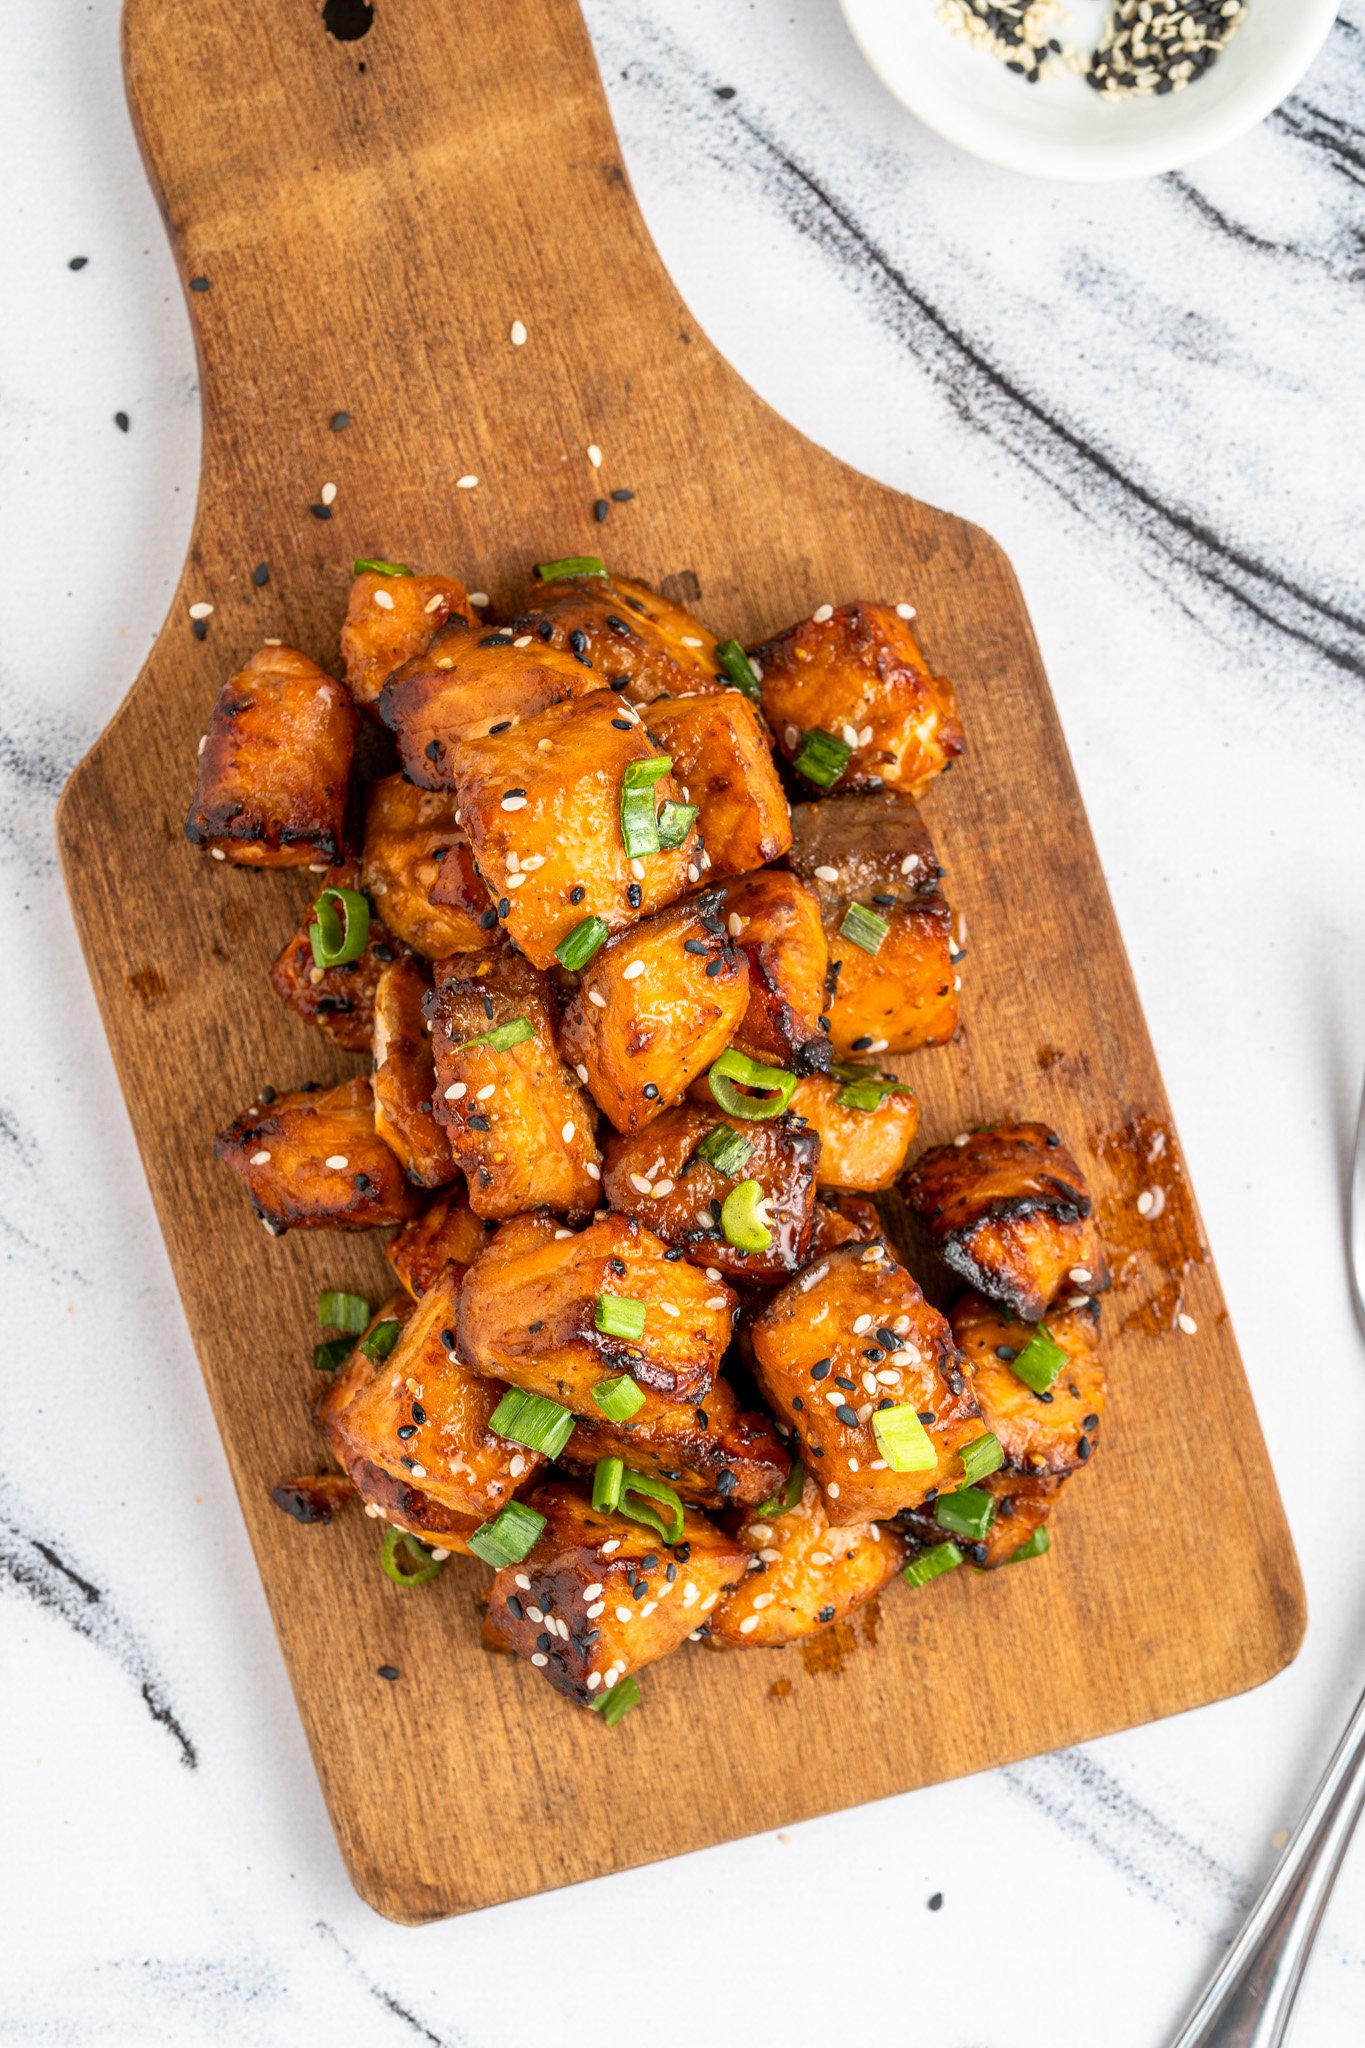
[359, 223]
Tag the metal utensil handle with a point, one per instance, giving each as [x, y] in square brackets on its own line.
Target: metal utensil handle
[1248, 2000]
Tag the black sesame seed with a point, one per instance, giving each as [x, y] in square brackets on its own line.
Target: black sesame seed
[849, 1386]
[260, 575]
[797, 1403]
[650, 1091]
[535, 1327]
[935, 1902]
[926, 1416]
[200, 628]
[673, 1256]
[411, 1463]
[695, 946]
[1007, 1352]
[504, 910]
[321, 511]
[622, 724]
[860, 1044]
[384, 953]
[727, 1482]
[577, 895]
[622, 497]
[340, 422]
[670, 1572]
[702, 1420]
[633, 895]
[433, 750]
[578, 641]
[514, 1607]
[488, 1007]
[825, 1614]
[848, 1416]
[1084, 1448]
[600, 510]
[361, 1183]
[888, 1338]
[389, 1671]
[1053, 1140]
[419, 1413]
[477, 1123]
[122, 422]
[820, 1369]
[1091, 1422]
[407, 1429]
[487, 919]
[714, 967]
[1047, 1399]
[682, 1551]
[267, 1094]
[885, 1402]
[77, 262]
[199, 284]
[503, 725]
[618, 682]
[875, 1354]
[542, 1641]
[448, 1339]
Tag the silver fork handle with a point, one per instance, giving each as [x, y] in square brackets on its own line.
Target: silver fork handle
[1248, 2000]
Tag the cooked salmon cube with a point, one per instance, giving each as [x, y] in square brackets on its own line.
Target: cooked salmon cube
[775, 919]
[389, 619]
[421, 1415]
[275, 766]
[847, 1339]
[520, 1126]
[658, 1175]
[339, 999]
[638, 641]
[803, 1574]
[314, 1161]
[656, 1006]
[864, 1131]
[410, 839]
[842, 1218]
[405, 1077]
[1023, 1502]
[587, 1608]
[722, 756]
[542, 804]
[1052, 1428]
[892, 962]
[714, 1453]
[447, 1232]
[532, 1306]
[857, 674]
[467, 684]
[1007, 1209]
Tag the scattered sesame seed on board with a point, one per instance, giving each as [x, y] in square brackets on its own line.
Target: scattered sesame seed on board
[201, 611]
[1187, 1324]
[466, 483]
[479, 598]
[328, 494]
[594, 455]
[518, 333]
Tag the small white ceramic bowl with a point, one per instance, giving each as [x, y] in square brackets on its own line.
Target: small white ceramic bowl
[1061, 128]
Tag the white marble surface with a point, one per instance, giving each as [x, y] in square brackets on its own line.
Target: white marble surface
[1153, 396]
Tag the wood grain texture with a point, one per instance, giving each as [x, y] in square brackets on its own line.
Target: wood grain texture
[371, 218]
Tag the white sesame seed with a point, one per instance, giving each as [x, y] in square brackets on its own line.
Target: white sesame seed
[514, 803]
[887, 1377]
[833, 1489]
[598, 1607]
[612, 1543]
[597, 999]
[748, 1625]
[1078, 1301]
[568, 1132]
[560, 1234]
[835, 1396]
[849, 735]
[662, 1188]
[905, 611]
[1187, 1324]
[201, 611]
[693, 871]
[821, 1557]
[328, 494]
[419, 1471]
[439, 1555]
[637, 870]
[488, 1088]
[1080, 1274]
[826, 874]
[764, 1599]
[515, 879]
[593, 1171]
[822, 612]
[611, 1677]
[689, 1594]
[202, 744]
[523, 1582]
[633, 971]
[260, 1159]
[338, 1160]
[522, 640]
[594, 1680]
[518, 334]
[690, 640]
[217, 853]
[465, 483]
[860, 1324]
[534, 1614]
[479, 598]
[456, 1090]
[383, 600]
[372, 1507]
[625, 1614]
[648, 1608]
[669, 1309]
[853, 1463]
[1146, 1201]
[517, 1466]
[594, 455]
[539, 1659]
[877, 1045]
[640, 1184]
[711, 1272]
[434, 604]
[591, 1592]
[715, 1300]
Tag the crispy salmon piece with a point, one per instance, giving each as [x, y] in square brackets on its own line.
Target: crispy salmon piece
[657, 1175]
[714, 1453]
[638, 641]
[338, 999]
[405, 1077]
[274, 768]
[468, 684]
[722, 756]
[447, 1232]
[389, 619]
[775, 919]
[411, 839]
[314, 1161]
[803, 1574]
[1052, 1430]
[861, 1149]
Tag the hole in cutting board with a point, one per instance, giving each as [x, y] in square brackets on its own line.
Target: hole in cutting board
[348, 20]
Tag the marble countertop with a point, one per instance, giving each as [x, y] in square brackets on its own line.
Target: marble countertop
[1153, 395]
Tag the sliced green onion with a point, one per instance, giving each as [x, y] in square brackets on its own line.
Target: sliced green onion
[607, 1477]
[932, 1564]
[864, 1087]
[577, 947]
[741, 1217]
[399, 1540]
[340, 927]
[675, 821]
[382, 1339]
[903, 1440]
[619, 1398]
[790, 1495]
[863, 928]
[502, 1037]
[570, 565]
[620, 1315]
[328, 1357]
[533, 1420]
[509, 1536]
[1040, 1361]
[640, 1483]
[731, 657]
[821, 758]
[736, 1067]
[639, 824]
[371, 565]
[981, 1457]
[725, 1149]
[1038, 1542]
[338, 1311]
[613, 1706]
[968, 1513]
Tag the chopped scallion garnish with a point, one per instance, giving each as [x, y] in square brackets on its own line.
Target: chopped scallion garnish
[863, 928]
[790, 1494]
[618, 1397]
[399, 1545]
[509, 1536]
[338, 1311]
[903, 1440]
[620, 1315]
[932, 1564]
[1040, 1361]
[1038, 1542]
[372, 566]
[981, 1457]
[578, 946]
[502, 1037]
[731, 657]
[340, 927]
[675, 821]
[607, 1477]
[382, 1339]
[869, 1093]
[669, 1525]
[821, 758]
[613, 1706]
[329, 1356]
[570, 565]
[533, 1420]
[725, 1149]
[742, 1218]
[734, 1071]
[639, 824]
[967, 1513]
